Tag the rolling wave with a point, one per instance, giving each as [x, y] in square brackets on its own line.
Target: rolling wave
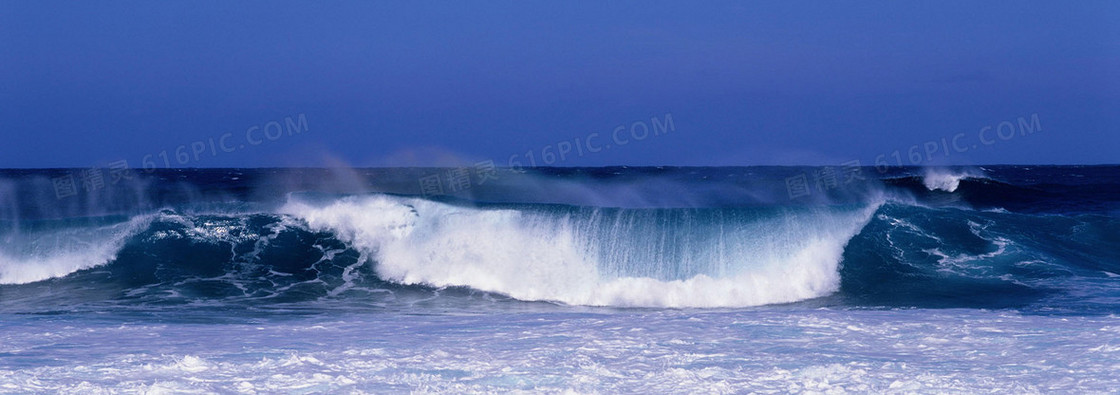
[935, 249]
[571, 255]
[594, 256]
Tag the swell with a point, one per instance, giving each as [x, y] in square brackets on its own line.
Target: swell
[950, 257]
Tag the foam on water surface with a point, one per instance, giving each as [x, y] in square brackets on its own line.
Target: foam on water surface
[890, 351]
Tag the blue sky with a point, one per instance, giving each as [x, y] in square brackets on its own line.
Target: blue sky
[440, 83]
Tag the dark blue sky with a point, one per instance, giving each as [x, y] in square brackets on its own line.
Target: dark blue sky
[436, 83]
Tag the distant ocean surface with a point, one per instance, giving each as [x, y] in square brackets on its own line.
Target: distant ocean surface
[609, 279]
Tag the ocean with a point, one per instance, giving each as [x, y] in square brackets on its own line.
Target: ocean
[586, 280]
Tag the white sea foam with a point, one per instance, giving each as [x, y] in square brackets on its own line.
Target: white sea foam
[593, 259]
[946, 180]
[788, 350]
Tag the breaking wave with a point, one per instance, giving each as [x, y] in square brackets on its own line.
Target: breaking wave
[943, 239]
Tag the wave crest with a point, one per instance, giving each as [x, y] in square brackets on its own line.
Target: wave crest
[596, 256]
[947, 180]
[43, 255]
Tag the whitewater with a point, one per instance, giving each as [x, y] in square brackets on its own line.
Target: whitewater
[570, 279]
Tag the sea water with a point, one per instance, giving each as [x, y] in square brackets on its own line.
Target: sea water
[551, 280]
